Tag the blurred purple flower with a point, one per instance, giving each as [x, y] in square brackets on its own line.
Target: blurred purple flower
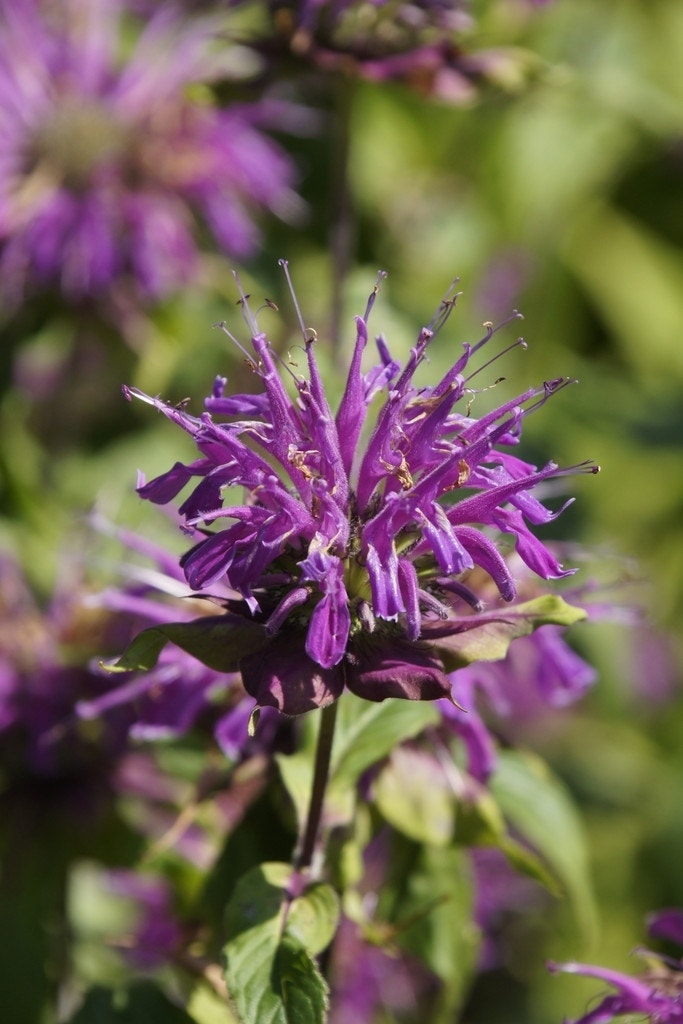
[656, 995]
[539, 673]
[179, 691]
[425, 44]
[349, 563]
[502, 896]
[156, 934]
[108, 158]
[366, 978]
[39, 686]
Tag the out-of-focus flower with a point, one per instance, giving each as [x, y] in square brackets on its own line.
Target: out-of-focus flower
[110, 155]
[366, 978]
[156, 934]
[430, 45]
[656, 995]
[39, 685]
[349, 563]
[502, 896]
[179, 691]
[539, 673]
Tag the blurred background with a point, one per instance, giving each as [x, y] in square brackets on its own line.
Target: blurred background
[150, 153]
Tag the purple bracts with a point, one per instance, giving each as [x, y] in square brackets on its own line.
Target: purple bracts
[352, 553]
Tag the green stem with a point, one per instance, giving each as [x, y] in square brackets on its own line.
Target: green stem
[321, 773]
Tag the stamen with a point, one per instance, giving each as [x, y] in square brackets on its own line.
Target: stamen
[519, 343]
[550, 388]
[587, 466]
[381, 275]
[222, 326]
[244, 303]
[473, 392]
[446, 307]
[492, 329]
[307, 333]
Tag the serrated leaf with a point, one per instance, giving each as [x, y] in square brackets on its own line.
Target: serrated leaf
[303, 990]
[490, 639]
[412, 793]
[270, 972]
[540, 809]
[219, 641]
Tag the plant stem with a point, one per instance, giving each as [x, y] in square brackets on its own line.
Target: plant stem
[321, 772]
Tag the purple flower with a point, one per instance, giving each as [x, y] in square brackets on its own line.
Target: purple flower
[179, 691]
[503, 896]
[38, 686]
[156, 934]
[656, 995]
[349, 560]
[425, 44]
[539, 673]
[107, 162]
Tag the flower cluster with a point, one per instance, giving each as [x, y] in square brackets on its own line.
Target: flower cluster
[429, 45]
[107, 162]
[349, 562]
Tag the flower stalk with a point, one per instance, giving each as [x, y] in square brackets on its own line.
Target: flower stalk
[321, 772]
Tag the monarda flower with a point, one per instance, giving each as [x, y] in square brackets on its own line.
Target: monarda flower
[112, 155]
[429, 45]
[349, 559]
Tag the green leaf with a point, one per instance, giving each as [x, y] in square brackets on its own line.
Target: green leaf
[432, 918]
[270, 972]
[368, 731]
[480, 822]
[219, 641]
[414, 795]
[365, 733]
[296, 772]
[302, 988]
[490, 640]
[206, 1007]
[540, 809]
[312, 919]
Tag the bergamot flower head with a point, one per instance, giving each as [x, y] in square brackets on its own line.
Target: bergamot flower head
[112, 155]
[351, 548]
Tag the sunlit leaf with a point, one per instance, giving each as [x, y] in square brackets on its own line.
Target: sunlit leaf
[219, 641]
[271, 975]
[413, 794]
[490, 640]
